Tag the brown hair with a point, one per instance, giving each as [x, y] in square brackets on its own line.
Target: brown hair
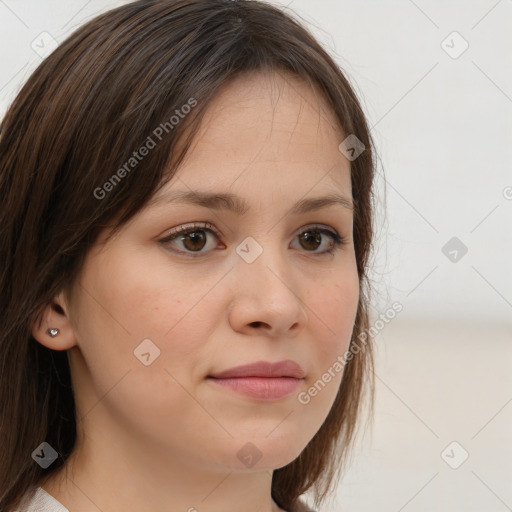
[78, 118]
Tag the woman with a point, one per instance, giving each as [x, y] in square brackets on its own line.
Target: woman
[186, 227]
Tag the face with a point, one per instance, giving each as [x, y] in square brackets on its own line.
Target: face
[268, 284]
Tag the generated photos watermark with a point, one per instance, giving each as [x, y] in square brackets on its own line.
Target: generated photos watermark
[304, 397]
[149, 144]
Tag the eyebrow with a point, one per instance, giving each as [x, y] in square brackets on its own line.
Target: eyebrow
[234, 203]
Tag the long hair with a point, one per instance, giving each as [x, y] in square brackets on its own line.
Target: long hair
[78, 118]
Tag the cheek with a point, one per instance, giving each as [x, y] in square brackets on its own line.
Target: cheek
[142, 295]
[332, 312]
[136, 303]
[333, 309]
[125, 300]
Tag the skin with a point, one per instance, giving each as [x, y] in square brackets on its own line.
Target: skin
[162, 438]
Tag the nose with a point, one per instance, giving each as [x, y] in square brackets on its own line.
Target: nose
[267, 297]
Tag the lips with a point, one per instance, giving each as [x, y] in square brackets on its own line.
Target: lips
[262, 380]
[267, 369]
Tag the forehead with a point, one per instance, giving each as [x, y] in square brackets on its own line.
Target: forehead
[268, 105]
[263, 128]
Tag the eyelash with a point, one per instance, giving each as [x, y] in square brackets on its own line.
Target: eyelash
[337, 240]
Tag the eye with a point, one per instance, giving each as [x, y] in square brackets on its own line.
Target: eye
[194, 239]
[192, 236]
[313, 237]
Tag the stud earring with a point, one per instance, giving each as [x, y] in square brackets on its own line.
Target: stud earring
[53, 332]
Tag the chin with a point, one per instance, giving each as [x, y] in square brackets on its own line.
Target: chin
[252, 453]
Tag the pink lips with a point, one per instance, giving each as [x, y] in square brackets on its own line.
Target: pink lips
[262, 380]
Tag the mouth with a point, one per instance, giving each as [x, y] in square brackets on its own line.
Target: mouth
[261, 380]
[260, 388]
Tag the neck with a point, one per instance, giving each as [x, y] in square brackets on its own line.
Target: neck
[174, 483]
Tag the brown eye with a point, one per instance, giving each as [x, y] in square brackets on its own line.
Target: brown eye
[192, 239]
[311, 239]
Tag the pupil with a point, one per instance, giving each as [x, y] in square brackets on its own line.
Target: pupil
[198, 236]
[316, 237]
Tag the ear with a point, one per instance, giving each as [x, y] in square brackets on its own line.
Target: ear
[55, 316]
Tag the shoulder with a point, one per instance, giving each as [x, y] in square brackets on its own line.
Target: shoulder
[39, 500]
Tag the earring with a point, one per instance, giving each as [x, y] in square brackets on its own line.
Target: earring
[53, 332]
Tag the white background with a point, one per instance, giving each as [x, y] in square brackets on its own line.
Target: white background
[443, 128]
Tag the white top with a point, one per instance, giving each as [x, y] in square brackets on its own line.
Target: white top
[43, 502]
